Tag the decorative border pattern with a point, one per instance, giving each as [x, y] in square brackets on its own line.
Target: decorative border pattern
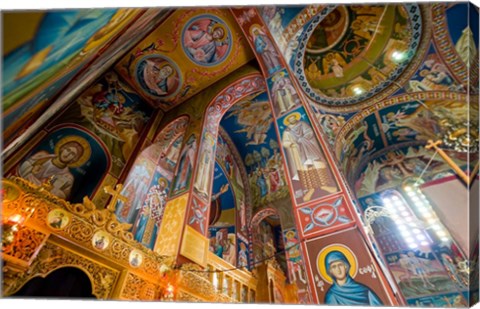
[444, 44]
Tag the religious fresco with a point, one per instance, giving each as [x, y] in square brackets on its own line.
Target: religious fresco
[223, 243]
[135, 188]
[194, 49]
[455, 264]
[265, 48]
[459, 48]
[408, 120]
[419, 273]
[453, 300]
[433, 75]
[264, 247]
[147, 185]
[205, 164]
[223, 201]
[309, 173]
[341, 37]
[278, 19]
[113, 112]
[185, 166]
[329, 215]
[286, 23]
[339, 262]
[396, 166]
[421, 262]
[293, 252]
[228, 159]
[393, 90]
[158, 76]
[361, 141]
[149, 217]
[330, 123]
[283, 95]
[35, 64]
[63, 158]
[206, 40]
[250, 125]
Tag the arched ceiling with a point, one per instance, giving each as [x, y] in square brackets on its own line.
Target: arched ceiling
[190, 51]
[403, 121]
[250, 126]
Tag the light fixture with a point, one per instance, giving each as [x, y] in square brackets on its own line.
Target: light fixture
[398, 56]
[358, 90]
[425, 210]
[10, 228]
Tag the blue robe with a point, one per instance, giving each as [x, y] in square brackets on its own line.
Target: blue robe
[351, 293]
[262, 184]
[141, 228]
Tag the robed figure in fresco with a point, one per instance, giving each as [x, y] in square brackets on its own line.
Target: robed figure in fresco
[151, 214]
[70, 152]
[265, 49]
[206, 41]
[345, 290]
[306, 161]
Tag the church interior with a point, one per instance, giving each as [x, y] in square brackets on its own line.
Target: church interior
[295, 154]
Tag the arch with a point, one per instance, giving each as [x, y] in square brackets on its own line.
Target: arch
[243, 174]
[249, 85]
[262, 214]
[147, 184]
[176, 127]
[75, 283]
[52, 257]
[398, 124]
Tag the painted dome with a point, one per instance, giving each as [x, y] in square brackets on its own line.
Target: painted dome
[349, 54]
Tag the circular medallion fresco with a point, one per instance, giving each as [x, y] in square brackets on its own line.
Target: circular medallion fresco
[350, 53]
[158, 76]
[206, 40]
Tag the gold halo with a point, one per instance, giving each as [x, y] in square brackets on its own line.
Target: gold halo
[297, 116]
[162, 180]
[290, 234]
[225, 32]
[277, 75]
[352, 260]
[255, 27]
[82, 141]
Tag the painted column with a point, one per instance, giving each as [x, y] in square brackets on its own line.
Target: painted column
[187, 231]
[319, 197]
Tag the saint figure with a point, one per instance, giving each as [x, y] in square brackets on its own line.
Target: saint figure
[345, 290]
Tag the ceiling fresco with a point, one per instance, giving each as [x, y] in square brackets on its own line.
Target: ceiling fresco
[39, 65]
[394, 167]
[411, 119]
[356, 52]
[461, 41]
[250, 127]
[193, 49]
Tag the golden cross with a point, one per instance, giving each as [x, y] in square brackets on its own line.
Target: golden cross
[453, 165]
[115, 196]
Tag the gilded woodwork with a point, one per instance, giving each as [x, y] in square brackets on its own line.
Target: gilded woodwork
[25, 247]
[26, 258]
[194, 246]
[136, 288]
[40, 248]
[52, 257]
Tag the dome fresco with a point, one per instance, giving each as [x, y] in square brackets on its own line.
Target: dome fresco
[355, 52]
